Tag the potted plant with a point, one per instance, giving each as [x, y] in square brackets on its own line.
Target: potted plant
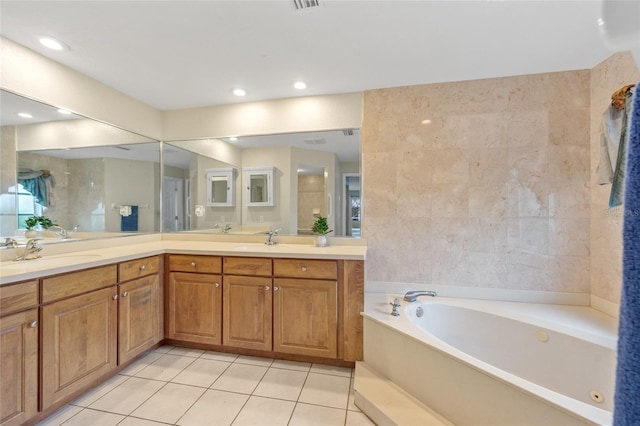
[321, 229]
[31, 222]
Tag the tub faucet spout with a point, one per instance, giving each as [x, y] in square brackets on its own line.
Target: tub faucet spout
[412, 296]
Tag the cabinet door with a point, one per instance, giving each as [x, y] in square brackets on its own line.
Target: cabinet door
[139, 317]
[247, 312]
[19, 373]
[195, 308]
[79, 343]
[305, 317]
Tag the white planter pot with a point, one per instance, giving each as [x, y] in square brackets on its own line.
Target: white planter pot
[31, 233]
[321, 241]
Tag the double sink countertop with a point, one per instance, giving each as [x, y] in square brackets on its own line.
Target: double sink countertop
[73, 255]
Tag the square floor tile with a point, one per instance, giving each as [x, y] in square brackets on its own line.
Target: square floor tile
[355, 418]
[291, 365]
[164, 349]
[326, 390]
[202, 372]
[60, 416]
[194, 353]
[128, 396]
[254, 360]
[315, 415]
[241, 378]
[219, 356]
[96, 393]
[265, 411]
[134, 421]
[214, 408]
[281, 384]
[141, 363]
[169, 403]
[330, 369]
[165, 368]
[94, 418]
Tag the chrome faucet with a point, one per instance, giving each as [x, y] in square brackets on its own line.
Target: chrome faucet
[412, 296]
[9, 243]
[395, 305]
[61, 232]
[271, 234]
[31, 251]
[227, 228]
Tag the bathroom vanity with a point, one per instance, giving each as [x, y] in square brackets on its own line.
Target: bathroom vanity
[69, 321]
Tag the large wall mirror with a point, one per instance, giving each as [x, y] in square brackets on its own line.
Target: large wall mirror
[108, 181]
[313, 174]
[76, 171]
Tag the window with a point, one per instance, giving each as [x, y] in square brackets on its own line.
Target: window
[27, 205]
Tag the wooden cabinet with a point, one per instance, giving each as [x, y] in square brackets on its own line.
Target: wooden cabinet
[305, 317]
[19, 374]
[79, 343]
[194, 308]
[247, 312]
[305, 307]
[140, 310]
[139, 317]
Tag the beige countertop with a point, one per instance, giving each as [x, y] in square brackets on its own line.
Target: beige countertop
[67, 257]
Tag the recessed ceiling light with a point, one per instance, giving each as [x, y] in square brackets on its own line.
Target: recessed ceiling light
[25, 115]
[64, 111]
[233, 138]
[51, 43]
[427, 121]
[300, 85]
[239, 92]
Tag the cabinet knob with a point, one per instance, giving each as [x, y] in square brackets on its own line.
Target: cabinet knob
[33, 324]
[193, 264]
[217, 285]
[143, 267]
[114, 297]
[304, 269]
[276, 288]
[125, 294]
[267, 288]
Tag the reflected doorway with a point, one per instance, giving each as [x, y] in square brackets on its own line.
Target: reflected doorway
[172, 204]
[352, 204]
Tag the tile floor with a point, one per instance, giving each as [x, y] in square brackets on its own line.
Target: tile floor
[179, 386]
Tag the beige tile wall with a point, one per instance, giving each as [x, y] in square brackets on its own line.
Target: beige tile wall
[606, 228]
[493, 191]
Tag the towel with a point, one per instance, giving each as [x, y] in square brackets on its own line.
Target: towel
[627, 397]
[617, 187]
[130, 223]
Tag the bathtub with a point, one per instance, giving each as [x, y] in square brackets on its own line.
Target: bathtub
[495, 363]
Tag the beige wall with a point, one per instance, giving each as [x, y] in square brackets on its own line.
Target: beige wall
[30, 74]
[310, 196]
[493, 192]
[606, 228]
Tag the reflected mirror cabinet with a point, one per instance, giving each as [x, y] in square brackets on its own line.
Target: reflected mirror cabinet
[108, 181]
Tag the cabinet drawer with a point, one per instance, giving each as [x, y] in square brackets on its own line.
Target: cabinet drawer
[73, 283]
[247, 266]
[306, 268]
[138, 268]
[17, 297]
[190, 263]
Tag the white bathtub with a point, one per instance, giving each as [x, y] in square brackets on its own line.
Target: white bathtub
[496, 363]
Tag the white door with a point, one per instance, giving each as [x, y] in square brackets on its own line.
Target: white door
[172, 204]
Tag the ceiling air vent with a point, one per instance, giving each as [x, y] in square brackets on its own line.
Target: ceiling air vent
[315, 141]
[348, 132]
[306, 4]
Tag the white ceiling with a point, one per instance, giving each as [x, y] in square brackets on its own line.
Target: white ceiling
[180, 54]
